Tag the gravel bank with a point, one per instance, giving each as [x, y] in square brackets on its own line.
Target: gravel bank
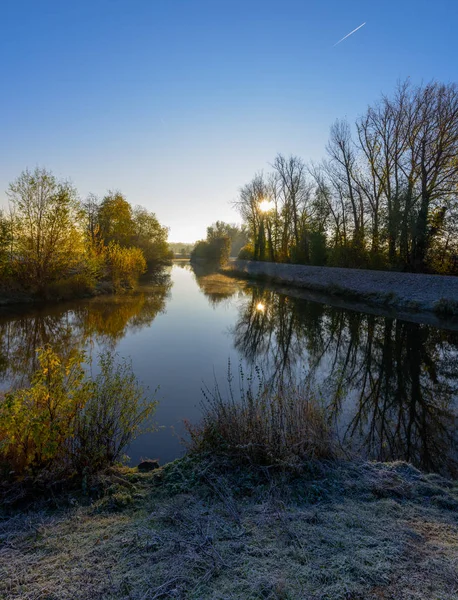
[406, 291]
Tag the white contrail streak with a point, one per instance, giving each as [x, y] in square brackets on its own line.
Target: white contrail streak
[349, 34]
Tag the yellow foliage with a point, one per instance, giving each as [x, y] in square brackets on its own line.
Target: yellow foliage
[48, 241]
[37, 422]
[65, 423]
[125, 264]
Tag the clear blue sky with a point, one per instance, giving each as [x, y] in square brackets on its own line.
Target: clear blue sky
[177, 103]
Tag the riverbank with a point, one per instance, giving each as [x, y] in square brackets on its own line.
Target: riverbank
[17, 297]
[199, 529]
[67, 291]
[405, 291]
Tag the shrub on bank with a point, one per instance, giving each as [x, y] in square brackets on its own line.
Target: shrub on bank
[66, 423]
[318, 249]
[265, 424]
[216, 251]
[351, 256]
[246, 253]
[446, 307]
[112, 417]
[125, 265]
[74, 286]
[37, 423]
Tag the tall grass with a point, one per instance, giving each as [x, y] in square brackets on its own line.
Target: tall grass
[263, 423]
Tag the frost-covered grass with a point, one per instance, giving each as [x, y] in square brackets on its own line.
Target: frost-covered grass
[207, 529]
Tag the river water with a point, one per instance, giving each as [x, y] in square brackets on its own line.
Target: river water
[390, 386]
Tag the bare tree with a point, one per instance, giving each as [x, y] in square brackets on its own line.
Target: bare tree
[250, 198]
[389, 197]
[434, 145]
[295, 192]
[342, 167]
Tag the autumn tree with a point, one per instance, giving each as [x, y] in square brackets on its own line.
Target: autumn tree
[91, 208]
[115, 219]
[48, 239]
[151, 237]
[136, 227]
[125, 265]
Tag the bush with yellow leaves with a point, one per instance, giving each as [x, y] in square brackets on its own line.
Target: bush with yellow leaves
[66, 422]
[125, 265]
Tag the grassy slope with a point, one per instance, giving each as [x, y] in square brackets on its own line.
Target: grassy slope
[190, 531]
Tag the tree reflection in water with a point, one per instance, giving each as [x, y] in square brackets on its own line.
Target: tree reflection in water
[216, 287]
[104, 320]
[391, 386]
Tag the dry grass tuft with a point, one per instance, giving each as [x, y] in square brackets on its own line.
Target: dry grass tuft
[263, 424]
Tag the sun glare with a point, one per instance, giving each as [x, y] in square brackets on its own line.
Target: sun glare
[266, 205]
[261, 307]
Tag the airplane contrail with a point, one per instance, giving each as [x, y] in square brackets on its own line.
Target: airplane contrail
[349, 34]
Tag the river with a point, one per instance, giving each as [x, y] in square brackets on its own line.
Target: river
[390, 386]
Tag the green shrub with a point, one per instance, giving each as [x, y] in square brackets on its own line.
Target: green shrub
[446, 307]
[377, 261]
[200, 251]
[216, 251]
[112, 417]
[37, 423]
[246, 253]
[318, 249]
[350, 256]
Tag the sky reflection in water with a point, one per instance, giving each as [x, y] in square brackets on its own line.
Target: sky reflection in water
[391, 386]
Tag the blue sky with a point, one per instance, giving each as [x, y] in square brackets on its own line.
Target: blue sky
[177, 103]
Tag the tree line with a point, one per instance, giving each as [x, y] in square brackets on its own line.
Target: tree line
[385, 196]
[181, 249]
[54, 244]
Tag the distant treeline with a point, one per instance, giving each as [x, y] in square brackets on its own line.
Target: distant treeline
[384, 197]
[54, 244]
[181, 248]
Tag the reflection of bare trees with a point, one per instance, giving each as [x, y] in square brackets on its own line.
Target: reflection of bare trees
[405, 386]
[390, 385]
[266, 334]
[104, 320]
[283, 335]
